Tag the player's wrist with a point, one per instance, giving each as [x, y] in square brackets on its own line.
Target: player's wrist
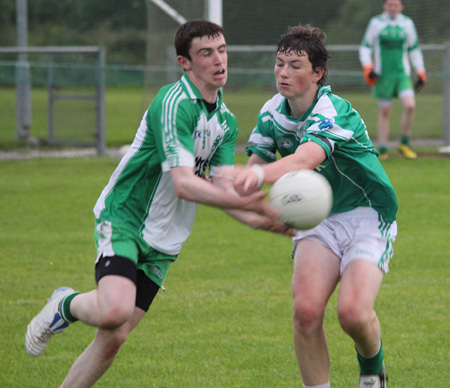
[370, 75]
[259, 173]
[422, 75]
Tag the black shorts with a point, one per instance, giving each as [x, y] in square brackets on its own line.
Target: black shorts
[146, 289]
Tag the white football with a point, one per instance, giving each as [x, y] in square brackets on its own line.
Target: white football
[303, 198]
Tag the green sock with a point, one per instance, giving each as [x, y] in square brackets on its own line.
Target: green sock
[372, 365]
[405, 140]
[64, 308]
[383, 149]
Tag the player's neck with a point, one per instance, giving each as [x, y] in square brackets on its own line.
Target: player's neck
[209, 95]
[300, 104]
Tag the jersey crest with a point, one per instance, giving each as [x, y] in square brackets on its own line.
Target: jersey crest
[326, 124]
[284, 142]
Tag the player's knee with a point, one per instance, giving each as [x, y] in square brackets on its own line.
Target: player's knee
[385, 112]
[410, 108]
[353, 318]
[307, 316]
[115, 316]
[408, 103]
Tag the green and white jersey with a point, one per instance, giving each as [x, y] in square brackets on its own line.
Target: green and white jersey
[176, 130]
[390, 41]
[352, 167]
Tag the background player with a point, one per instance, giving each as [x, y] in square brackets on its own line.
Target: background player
[146, 211]
[388, 41]
[311, 128]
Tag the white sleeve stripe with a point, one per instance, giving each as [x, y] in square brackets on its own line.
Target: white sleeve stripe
[185, 158]
[417, 59]
[257, 138]
[365, 55]
[337, 131]
[168, 121]
[170, 105]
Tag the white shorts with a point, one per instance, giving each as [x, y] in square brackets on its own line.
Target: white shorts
[355, 235]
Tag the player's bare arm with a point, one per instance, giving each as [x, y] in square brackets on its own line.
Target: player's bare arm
[250, 218]
[308, 156]
[193, 188]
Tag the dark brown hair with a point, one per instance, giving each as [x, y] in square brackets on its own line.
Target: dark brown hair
[306, 40]
[194, 29]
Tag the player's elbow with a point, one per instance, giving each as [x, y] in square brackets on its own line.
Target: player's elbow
[182, 179]
[185, 189]
[181, 191]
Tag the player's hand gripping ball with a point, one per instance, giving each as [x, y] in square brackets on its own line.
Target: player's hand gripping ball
[303, 198]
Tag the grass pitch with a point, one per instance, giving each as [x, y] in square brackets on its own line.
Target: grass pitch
[225, 319]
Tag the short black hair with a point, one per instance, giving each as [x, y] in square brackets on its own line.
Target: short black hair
[309, 40]
[194, 29]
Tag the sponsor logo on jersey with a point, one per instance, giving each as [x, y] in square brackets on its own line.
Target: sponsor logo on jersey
[364, 252]
[217, 142]
[326, 124]
[200, 166]
[157, 271]
[285, 142]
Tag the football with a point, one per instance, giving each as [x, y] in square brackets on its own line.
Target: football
[303, 198]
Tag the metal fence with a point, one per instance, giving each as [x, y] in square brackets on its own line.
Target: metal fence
[75, 83]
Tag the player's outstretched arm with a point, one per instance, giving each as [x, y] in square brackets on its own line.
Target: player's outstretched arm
[308, 156]
[193, 188]
[250, 218]
[258, 221]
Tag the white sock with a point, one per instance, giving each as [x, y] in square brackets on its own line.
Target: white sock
[327, 385]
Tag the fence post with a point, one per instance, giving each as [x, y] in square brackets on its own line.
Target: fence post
[50, 86]
[446, 93]
[23, 78]
[101, 113]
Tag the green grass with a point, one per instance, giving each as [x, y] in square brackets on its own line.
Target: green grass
[225, 319]
[126, 105]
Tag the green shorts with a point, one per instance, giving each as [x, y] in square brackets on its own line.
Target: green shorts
[116, 240]
[387, 88]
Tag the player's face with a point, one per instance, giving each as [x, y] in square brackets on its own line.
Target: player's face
[393, 7]
[207, 68]
[295, 76]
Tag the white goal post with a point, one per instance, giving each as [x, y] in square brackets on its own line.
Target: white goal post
[214, 11]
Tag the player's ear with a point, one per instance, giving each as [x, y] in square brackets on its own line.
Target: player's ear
[184, 63]
[318, 71]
